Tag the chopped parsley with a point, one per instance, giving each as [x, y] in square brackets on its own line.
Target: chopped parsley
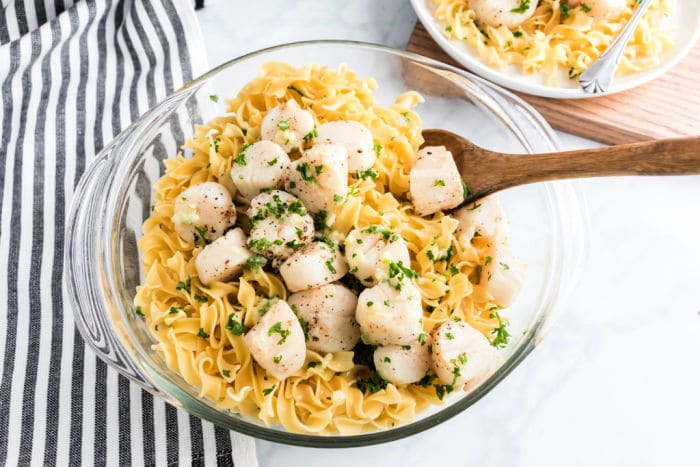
[329, 265]
[216, 142]
[201, 233]
[268, 391]
[450, 336]
[466, 191]
[477, 276]
[439, 182]
[454, 270]
[311, 135]
[365, 174]
[421, 338]
[377, 148]
[277, 359]
[387, 302]
[202, 334]
[587, 9]
[448, 28]
[236, 327]
[214, 98]
[283, 125]
[255, 263]
[277, 329]
[240, 160]
[186, 285]
[337, 198]
[139, 311]
[312, 365]
[201, 298]
[306, 173]
[387, 359]
[272, 162]
[374, 383]
[399, 273]
[175, 310]
[565, 10]
[522, 8]
[504, 265]
[370, 303]
[387, 235]
[226, 373]
[501, 335]
[517, 34]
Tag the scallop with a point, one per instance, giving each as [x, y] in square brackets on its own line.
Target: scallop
[435, 182]
[320, 177]
[286, 125]
[502, 275]
[313, 265]
[355, 138]
[329, 312]
[403, 364]
[602, 9]
[260, 166]
[369, 251]
[203, 212]
[389, 316]
[277, 342]
[280, 225]
[461, 354]
[222, 260]
[508, 13]
[483, 218]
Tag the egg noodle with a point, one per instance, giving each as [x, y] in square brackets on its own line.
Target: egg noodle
[557, 38]
[198, 327]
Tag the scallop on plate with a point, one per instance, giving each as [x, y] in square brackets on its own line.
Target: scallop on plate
[681, 26]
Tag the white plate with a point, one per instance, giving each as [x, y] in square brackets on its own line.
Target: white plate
[685, 24]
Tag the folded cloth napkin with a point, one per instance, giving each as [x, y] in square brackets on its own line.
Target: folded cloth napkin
[73, 75]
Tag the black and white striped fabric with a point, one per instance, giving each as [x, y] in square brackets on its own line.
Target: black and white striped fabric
[73, 75]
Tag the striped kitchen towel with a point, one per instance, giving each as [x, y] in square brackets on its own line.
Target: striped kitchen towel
[73, 74]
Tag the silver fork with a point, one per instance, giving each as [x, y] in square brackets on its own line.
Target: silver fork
[598, 78]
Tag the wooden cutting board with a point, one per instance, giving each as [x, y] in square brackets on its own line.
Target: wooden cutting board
[664, 108]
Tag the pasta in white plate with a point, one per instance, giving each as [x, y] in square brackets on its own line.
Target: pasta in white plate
[560, 37]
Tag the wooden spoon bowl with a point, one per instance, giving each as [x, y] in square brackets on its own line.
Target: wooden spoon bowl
[486, 172]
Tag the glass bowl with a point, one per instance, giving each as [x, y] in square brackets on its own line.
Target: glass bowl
[102, 262]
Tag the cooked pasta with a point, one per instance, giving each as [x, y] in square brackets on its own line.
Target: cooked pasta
[559, 39]
[200, 328]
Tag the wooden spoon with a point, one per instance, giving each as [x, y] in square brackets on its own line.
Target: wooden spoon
[486, 172]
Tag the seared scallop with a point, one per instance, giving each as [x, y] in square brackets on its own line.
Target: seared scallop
[503, 275]
[320, 177]
[286, 125]
[508, 13]
[369, 251]
[461, 354]
[313, 265]
[435, 182]
[602, 9]
[483, 218]
[260, 166]
[279, 225]
[222, 260]
[355, 138]
[203, 212]
[403, 364]
[276, 342]
[389, 316]
[329, 312]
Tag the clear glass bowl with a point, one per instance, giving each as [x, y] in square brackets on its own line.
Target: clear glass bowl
[102, 262]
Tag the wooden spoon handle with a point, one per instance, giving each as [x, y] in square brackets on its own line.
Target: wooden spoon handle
[680, 156]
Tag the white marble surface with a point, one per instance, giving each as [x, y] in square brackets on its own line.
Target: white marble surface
[617, 380]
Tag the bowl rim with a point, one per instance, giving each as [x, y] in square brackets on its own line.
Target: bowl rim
[549, 297]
